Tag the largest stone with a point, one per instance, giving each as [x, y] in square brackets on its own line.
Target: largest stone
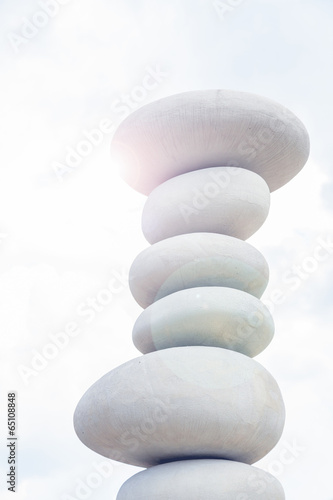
[182, 403]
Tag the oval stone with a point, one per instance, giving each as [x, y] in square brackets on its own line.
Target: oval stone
[182, 403]
[202, 480]
[196, 259]
[225, 200]
[208, 316]
[209, 128]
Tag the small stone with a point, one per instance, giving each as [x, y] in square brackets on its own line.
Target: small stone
[225, 200]
[193, 260]
[202, 480]
[209, 316]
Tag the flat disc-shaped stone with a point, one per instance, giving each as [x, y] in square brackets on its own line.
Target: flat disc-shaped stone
[226, 200]
[202, 480]
[209, 128]
[196, 259]
[182, 403]
[209, 316]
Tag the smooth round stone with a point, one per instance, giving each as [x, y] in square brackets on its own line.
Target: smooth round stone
[208, 316]
[182, 403]
[196, 259]
[226, 200]
[202, 480]
[209, 128]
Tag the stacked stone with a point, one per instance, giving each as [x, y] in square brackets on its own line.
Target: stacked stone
[196, 410]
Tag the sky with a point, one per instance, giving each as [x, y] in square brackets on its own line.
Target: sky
[70, 227]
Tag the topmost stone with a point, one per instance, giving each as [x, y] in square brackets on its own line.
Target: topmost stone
[209, 128]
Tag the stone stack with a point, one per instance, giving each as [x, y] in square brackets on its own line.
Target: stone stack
[195, 409]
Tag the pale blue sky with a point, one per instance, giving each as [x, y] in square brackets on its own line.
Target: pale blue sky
[62, 242]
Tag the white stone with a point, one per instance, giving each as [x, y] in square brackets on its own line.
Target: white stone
[226, 200]
[209, 316]
[202, 480]
[196, 259]
[209, 128]
[182, 403]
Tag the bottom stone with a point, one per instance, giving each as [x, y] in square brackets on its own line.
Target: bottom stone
[202, 480]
